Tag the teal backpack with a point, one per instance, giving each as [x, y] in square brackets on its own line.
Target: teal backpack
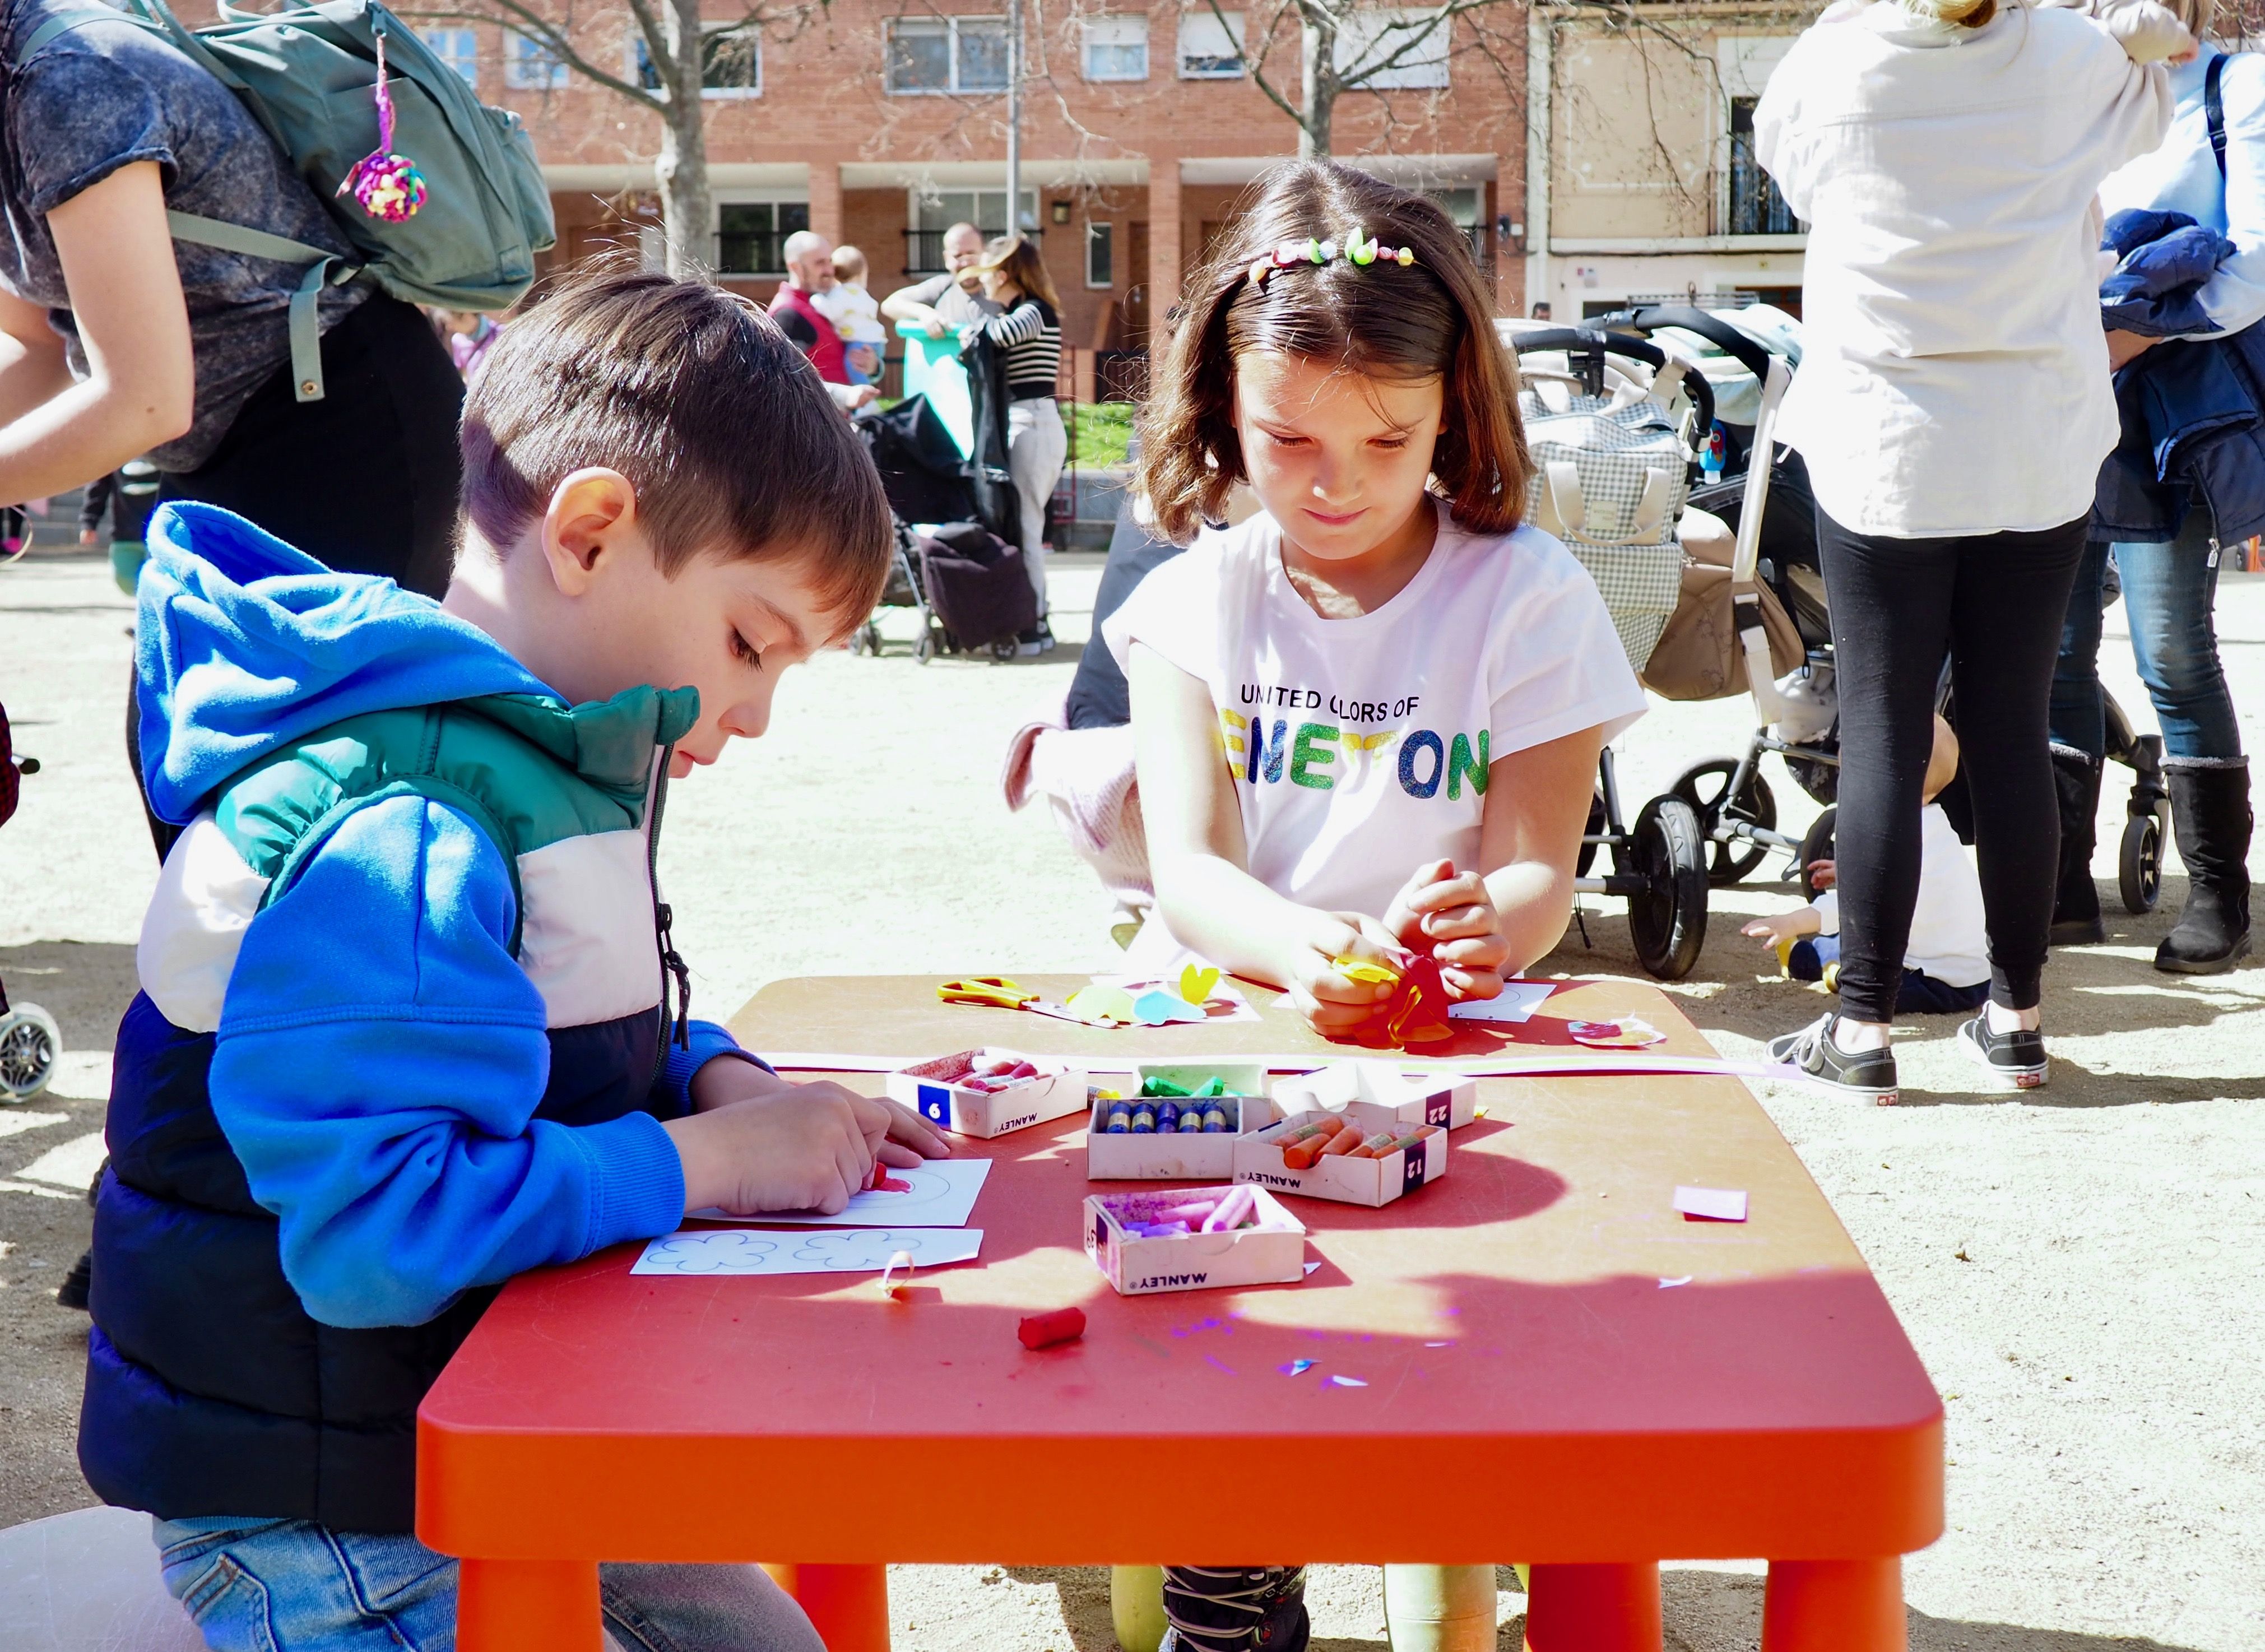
[307, 74]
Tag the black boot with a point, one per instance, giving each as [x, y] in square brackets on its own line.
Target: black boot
[2210, 815]
[2076, 897]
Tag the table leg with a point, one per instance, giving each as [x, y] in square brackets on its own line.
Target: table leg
[527, 1607]
[849, 1605]
[1611, 1608]
[1834, 1606]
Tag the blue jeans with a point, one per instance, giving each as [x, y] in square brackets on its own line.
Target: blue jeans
[293, 1586]
[2168, 592]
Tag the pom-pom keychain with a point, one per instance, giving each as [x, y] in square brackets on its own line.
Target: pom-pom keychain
[389, 187]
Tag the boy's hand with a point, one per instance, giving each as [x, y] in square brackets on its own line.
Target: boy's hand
[896, 1135]
[1823, 875]
[1785, 926]
[1452, 916]
[789, 1152]
[1331, 1002]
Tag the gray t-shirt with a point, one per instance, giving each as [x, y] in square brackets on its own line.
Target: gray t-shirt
[959, 307]
[108, 95]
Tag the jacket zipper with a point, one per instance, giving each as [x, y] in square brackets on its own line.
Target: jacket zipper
[672, 962]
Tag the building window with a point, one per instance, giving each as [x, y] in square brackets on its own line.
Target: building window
[946, 55]
[531, 66]
[1117, 49]
[1209, 48]
[749, 234]
[730, 61]
[1411, 41]
[458, 48]
[1100, 255]
[1462, 205]
[1756, 206]
[934, 213]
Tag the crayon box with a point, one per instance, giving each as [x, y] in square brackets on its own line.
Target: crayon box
[1179, 1156]
[940, 1092]
[1339, 1176]
[1272, 1253]
[1446, 1099]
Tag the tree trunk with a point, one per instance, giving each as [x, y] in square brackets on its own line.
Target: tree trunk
[1317, 91]
[686, 206]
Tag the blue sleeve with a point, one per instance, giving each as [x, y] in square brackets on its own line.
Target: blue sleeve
[379, 1061]
[707, 1041]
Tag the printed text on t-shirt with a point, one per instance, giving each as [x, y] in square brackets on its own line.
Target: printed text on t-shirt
[1326, 757]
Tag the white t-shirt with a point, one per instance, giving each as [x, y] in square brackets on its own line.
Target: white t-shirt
[1948, 939]
[1360, 746]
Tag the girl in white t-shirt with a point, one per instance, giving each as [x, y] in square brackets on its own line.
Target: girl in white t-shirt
[1366, 720]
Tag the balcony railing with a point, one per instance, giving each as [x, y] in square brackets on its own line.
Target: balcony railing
[750, 252]
[1752, 203]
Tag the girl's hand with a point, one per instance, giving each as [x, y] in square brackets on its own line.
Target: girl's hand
[1331, 1002]
[1452, 916]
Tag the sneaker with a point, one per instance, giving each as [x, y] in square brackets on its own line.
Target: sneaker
[72, 1293]
[1037, 640]
[1870, 1074]
[2015, 1060]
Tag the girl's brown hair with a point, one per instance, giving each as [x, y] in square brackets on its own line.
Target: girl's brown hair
[1016, 257]
[1431, 319]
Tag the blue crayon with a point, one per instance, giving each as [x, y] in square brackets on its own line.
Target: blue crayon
[1191, 1118]
[1120, 1117]
[1214, 1119]
[1168, 1117]
[1144, 1118]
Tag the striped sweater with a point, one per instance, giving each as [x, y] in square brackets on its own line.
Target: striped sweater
[1031, 334]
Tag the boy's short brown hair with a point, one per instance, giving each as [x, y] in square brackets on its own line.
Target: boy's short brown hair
[1433, 318]
[716, 419]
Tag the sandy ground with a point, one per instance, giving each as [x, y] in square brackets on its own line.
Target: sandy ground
[2079, 1267]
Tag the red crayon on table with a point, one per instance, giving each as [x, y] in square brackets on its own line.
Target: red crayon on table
[882, 1182]
[1044, 1330]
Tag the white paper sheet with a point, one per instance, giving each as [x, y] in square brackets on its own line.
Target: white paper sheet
[1225, 991]
[1517, 1001]
[735, 1250]
[943, 1195]
[1715, 1204]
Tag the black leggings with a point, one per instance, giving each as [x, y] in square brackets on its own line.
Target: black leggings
[364, 480]
[1994, 604]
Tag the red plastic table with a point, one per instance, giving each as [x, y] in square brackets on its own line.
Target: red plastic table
[1559, 1369]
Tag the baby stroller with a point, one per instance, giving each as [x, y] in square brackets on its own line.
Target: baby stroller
[1797, 714]
[927, 481]
[30, 1041]
[1611, 419]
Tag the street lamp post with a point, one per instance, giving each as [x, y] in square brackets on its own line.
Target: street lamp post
[1014, 117]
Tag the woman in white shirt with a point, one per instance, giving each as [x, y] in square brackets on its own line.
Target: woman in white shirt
[1953, 406]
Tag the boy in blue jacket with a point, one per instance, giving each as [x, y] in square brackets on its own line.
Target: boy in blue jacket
[404, 1028]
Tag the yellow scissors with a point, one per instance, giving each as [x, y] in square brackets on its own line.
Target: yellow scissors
[998, 991]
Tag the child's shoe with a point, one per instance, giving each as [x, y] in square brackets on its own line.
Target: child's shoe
[2016, 1060]
[1870, 1074]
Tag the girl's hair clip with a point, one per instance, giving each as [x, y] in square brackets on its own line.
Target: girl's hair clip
[1358, 248]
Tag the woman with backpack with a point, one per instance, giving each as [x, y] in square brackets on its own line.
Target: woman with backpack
[2166, 532]
[123, 341]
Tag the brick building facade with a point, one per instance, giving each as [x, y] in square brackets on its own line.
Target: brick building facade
[877, 122]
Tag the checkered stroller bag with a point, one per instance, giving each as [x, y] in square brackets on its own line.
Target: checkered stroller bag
[1611, 481]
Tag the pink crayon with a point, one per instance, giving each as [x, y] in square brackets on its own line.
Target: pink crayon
[1236, 1208]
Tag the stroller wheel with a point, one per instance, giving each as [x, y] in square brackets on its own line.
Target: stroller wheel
[2139, 862]
[1816, 845]
[29, 1042]
[866, 639]
[1704, 786]
[924, 650]
[1668, 921]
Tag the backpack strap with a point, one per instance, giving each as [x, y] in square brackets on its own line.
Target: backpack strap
[324, 269]
[327, 269]
[2213, 104]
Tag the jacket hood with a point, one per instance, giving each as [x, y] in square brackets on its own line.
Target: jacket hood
[244, 645]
